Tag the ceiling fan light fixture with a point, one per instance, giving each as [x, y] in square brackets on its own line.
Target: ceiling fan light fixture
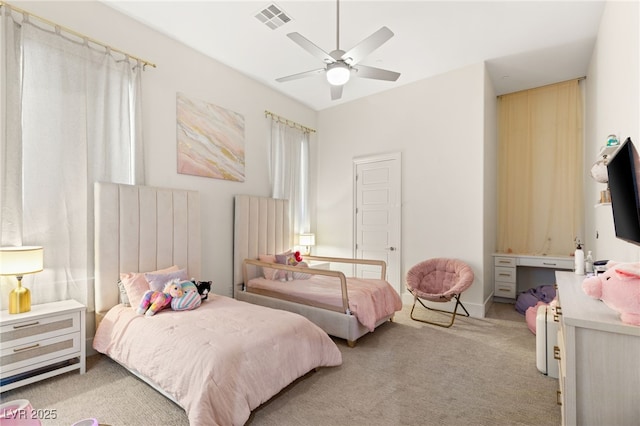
[338, 73]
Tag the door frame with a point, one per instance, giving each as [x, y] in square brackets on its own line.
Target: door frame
[357, 161]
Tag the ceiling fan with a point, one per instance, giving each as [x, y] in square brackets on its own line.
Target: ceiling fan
[340, 64]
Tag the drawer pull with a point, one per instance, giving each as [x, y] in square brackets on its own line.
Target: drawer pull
[556, 353]
[508, 262]
[26, 348]
[504, 289]
[549, 263]
[559, 397]
[504, 275]
[15, 327]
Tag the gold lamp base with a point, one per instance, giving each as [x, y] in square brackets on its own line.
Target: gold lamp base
[19, 300]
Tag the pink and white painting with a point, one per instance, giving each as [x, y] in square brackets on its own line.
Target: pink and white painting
[210, 140]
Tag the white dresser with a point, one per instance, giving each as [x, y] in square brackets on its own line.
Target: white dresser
[46, 341]
[599, 360]
[506, 270]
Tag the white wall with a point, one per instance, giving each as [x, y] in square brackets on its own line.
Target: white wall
[612, 106]
[181, 69]
[438, 125]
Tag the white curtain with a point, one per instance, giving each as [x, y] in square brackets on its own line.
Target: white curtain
[289, 170]
[74, 122]
[540, 170]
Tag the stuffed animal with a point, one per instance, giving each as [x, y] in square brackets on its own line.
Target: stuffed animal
[204, 287]
[154, 301]
[190, 298]
[619, 288]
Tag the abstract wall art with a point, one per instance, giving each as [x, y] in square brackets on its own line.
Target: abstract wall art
[210, 140]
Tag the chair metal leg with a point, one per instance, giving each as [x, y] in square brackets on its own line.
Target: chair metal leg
[453, 313]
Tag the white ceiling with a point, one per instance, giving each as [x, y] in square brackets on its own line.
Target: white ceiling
[524, 43]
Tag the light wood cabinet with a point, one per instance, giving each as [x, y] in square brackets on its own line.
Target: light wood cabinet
[44, 342]
[599, 359]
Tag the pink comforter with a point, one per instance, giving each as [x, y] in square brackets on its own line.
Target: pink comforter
[219, 361]
[370, 300]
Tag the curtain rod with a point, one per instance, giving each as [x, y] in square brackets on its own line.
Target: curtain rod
[546, 85]
[75, 33]
[290, 123]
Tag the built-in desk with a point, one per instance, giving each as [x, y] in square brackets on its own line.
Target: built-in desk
[514, 273]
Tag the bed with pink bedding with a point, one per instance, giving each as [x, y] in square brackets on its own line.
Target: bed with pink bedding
[344, 305]
[369, 300]
[218, 361]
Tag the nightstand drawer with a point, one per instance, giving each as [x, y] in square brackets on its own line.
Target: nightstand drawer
[25, 356]
[31, 330]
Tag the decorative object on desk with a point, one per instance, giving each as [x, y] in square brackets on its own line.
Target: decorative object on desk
[588, 263]
[619, 289]
[600, 266]
[599, 171]
[612, 140]
[579, 258]
[307, 240]
[20, 261]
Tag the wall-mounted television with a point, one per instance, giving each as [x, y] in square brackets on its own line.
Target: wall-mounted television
[623, 169]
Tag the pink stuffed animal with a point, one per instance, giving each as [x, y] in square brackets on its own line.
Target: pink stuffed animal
[619, 289]
[154, 301]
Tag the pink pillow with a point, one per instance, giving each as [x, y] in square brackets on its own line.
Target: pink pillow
[158, 281]
[135, 284]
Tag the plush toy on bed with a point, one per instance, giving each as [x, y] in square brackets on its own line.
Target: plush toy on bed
[619, 289]
[204, 288]
[153, 301]
[190, 298]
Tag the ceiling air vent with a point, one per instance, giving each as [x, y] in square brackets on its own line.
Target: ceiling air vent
[272, 16]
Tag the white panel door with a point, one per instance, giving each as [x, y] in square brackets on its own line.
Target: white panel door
[377, 215]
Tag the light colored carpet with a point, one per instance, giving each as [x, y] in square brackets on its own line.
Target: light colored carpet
[479, 372]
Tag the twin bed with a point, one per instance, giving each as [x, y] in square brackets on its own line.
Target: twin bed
[227, 357]
[345, 307]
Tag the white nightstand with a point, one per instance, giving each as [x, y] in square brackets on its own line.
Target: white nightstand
[44, 342]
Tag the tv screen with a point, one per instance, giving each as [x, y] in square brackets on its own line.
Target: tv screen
[623, 170]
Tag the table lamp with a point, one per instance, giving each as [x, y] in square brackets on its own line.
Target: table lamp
[307, 240]
[19, 261]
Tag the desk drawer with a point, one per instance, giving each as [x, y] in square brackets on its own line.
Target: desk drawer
[541, 262]
[504, 261]
[507, 290]
[507, 275]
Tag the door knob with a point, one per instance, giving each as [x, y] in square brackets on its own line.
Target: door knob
[391, 248]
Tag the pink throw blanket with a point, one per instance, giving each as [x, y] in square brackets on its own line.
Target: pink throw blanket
[219, 361]
[370, 300]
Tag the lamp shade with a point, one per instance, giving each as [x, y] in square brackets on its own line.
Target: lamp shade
[338, 73]
[307, 239]
[21, 260]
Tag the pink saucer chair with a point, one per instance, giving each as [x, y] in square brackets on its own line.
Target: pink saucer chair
[439, 280]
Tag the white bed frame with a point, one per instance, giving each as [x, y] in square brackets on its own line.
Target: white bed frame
[142, 228]
[261, 226]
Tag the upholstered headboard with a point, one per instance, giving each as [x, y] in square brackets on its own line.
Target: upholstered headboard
[139, 229]
[261, 226]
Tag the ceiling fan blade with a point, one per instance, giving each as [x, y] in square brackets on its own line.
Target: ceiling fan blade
[366, 46]
[300, 75]
[336, 92]
[311, 48]
[376, 73]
